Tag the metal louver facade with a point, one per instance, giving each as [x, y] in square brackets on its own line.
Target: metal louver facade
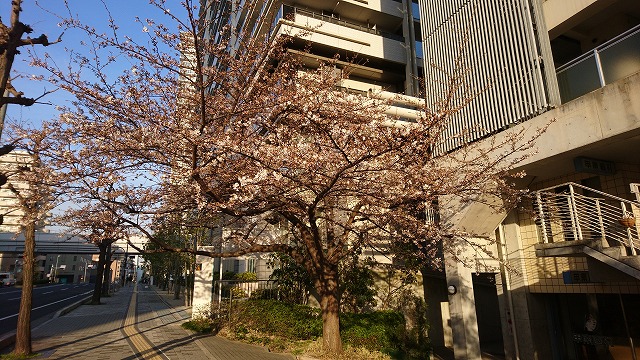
[488, 61]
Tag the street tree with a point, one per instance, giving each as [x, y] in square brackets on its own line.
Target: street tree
[33, 185]
[99, 226]
[31, 201]
[244, 137]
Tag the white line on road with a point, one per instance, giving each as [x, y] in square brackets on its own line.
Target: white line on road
[36, 289]
[48, 292]
[14, 298]
[43, 306]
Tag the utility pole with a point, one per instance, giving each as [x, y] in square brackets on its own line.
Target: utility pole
[55, 270]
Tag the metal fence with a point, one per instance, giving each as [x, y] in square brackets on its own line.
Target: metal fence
[565, 215]
[609, 62]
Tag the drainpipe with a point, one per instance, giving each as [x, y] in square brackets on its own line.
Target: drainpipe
[411, 69]
[506, 284]
[626, 326]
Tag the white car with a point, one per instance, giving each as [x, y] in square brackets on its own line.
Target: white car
[7, 279]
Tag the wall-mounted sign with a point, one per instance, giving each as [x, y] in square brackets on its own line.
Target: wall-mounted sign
[576, 277]
[594, 166]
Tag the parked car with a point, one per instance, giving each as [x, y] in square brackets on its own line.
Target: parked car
[7, 279]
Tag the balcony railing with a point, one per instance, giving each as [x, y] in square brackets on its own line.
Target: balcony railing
[289, 12]
[609, 62]
[563, 214]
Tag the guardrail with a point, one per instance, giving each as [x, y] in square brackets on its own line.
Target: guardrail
[607, 63]
[563, 214]
[289, 12]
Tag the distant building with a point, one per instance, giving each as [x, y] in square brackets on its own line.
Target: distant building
[9, 207]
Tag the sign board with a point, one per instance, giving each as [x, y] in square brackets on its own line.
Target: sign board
[594, 166]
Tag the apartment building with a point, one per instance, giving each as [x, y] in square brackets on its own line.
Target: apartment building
[382, 37]
[568, 281]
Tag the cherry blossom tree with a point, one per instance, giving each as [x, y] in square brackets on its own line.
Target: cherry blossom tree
[33, 185]
[99, 226]
[243, 136]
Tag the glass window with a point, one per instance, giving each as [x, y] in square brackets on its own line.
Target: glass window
[415, 9]
[419, 52]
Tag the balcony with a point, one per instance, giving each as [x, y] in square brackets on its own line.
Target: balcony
[288, 12]
[609, 62]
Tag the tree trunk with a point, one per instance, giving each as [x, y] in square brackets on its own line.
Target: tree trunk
[176, 285]
[23, 329]
[330, 307]
[97, 289]
[106, 275]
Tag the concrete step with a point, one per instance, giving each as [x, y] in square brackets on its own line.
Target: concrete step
[615, 252]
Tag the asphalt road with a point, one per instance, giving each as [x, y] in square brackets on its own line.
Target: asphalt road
[46, 301]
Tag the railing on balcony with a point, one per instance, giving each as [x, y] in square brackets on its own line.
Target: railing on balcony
[289, 12]
[563, 214]
[609, 62]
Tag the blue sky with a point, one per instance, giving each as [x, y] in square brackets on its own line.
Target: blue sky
[44, 19]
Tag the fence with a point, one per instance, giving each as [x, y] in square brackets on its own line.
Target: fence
[609, 62]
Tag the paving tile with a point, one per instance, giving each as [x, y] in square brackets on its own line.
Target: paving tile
[96, 332]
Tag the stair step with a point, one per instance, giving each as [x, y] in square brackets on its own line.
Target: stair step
[614, 251]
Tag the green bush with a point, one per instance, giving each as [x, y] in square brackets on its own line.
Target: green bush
[276, 318]
[202, 325]
[382, 331]
[379, 330]
[247, 276]
[264, 294]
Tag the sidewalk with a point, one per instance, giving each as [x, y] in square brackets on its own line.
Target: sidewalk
[137, 322]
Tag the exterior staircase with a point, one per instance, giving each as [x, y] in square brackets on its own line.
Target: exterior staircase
[574, 220]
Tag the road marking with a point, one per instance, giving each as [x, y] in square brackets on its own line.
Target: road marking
[48, 292]
[143, 348]
[49, 304]
[15, 298]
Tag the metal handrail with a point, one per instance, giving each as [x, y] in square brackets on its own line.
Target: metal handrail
[630, 202]
[337, 21]
[603, 46]
[571, 216]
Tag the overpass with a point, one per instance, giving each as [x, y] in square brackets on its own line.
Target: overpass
[55, 243]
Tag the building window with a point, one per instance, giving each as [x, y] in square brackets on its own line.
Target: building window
[75, 258]
[73, 267]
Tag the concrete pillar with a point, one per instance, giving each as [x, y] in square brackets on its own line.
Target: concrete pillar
[462, 310]
[525, 325]
[202, 286]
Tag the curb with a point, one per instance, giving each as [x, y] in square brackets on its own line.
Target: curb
[9, 338]
[67, 309]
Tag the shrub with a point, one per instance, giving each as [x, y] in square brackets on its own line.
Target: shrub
[291, 321]
[202, 325]
[247, 276]
[265, 294]
[380, 330]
